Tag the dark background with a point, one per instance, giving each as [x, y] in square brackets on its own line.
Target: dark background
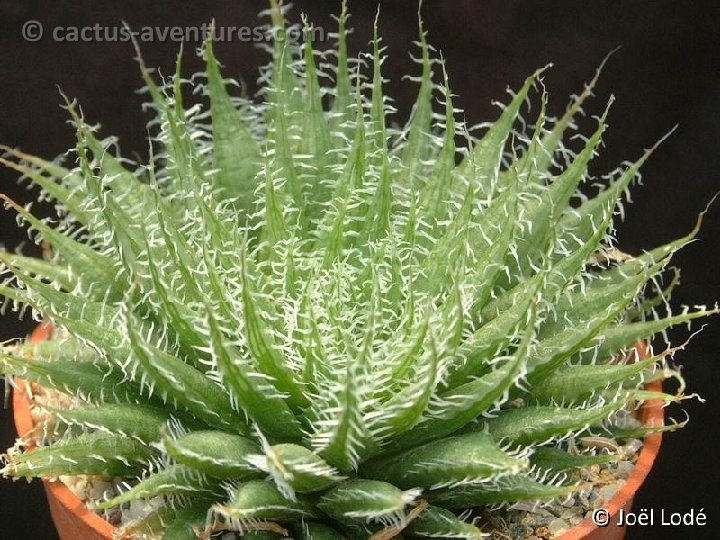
[667, 72]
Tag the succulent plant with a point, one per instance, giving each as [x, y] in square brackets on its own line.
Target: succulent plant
[298, 320]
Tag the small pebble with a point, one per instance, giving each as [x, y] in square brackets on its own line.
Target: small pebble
[632, 447]
[625, 469]
[548, 511]
[554, 510]
[605, 493]
[533, 520]
[113, 516]
[557, 526]
[599, 443]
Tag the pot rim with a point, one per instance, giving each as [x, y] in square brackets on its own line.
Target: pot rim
[651, 414]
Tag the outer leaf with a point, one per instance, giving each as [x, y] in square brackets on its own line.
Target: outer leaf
[236, 151]
[98, 274]
[40, 269]
[555, 279]
[138, 421]
[620, 337]
[483, 163]
[185, 521]
[341, 104]
[559, 460]
[581, 223]
[506, 489]
[553, 139]
[175, 480]
[365, 500]
[316, 133]
[184, 385]
[537, 424]
[542, 212]
[299, 468]
[577, 383]
[93, 382]
[437, 522]
[101, 454]
[258, 500]
[59, 192]
[418, 142]
[468, 458]
[215, 453]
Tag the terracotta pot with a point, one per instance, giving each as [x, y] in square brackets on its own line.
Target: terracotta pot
[75, 522]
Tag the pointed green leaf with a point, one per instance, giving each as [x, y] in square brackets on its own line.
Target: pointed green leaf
[96, 453]
[417, 146]
[556, 459]
[482, 165]
[175, 480]
[236, 152]
[53, 272]
[97, 274]
[299, 468]
[341, 103]
[261, 343]
[576, 383]
[436, 522]
[131, 420]
[181, 383]
[90, 381]
[251, 392]
[472, 457]
[215, 453]
[505, 490]
[538, 424]
[54, 188]
[365, 500]
[257, 500]
[617, 338]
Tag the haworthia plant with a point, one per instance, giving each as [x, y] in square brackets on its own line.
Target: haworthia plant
[298, 320]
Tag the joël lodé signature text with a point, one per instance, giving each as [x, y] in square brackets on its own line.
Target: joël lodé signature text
[647, 517]
[662, 517]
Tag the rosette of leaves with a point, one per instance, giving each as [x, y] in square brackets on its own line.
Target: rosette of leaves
[297, 320]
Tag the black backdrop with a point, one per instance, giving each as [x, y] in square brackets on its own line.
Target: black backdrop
[667, 72]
